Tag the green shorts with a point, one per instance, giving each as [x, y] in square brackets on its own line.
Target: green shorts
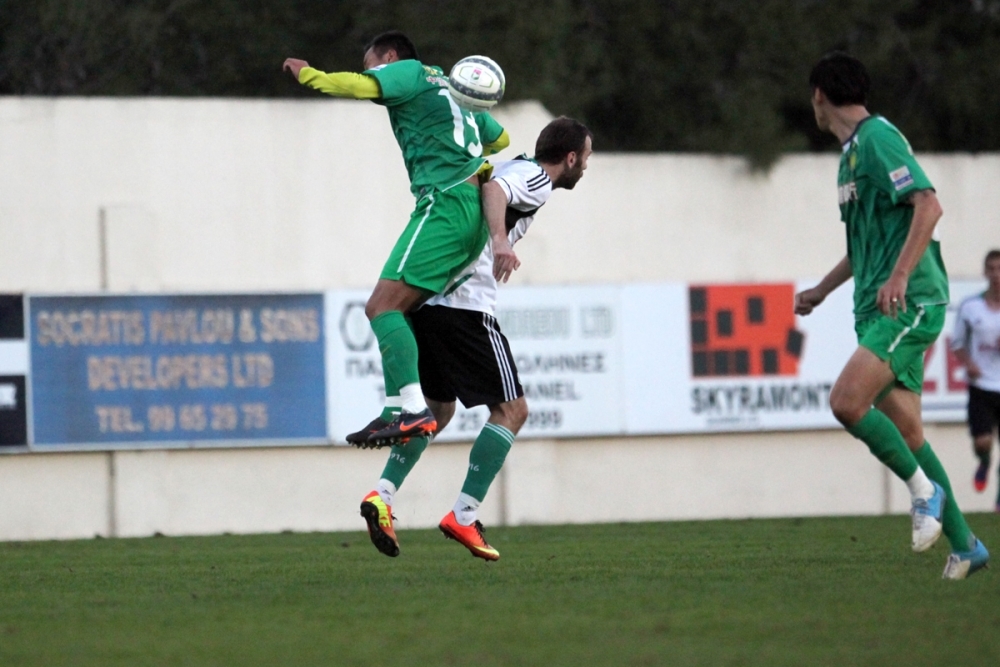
[445, 234]
[903, 341]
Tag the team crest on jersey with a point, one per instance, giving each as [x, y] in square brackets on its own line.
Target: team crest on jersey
[846, 193]
[901, 178]
[852, 160]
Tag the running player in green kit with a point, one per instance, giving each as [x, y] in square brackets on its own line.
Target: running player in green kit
[443, 149]
[890, 210]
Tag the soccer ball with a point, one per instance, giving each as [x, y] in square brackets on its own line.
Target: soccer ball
[476, 83]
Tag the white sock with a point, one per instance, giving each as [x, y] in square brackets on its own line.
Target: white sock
[413, 398]
[386, 490]
[465, 509]
[920, 485]
[394, 402]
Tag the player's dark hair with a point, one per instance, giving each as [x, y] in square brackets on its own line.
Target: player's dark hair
[842, 78]
[991, 255]
[395, 40]
[560, 138]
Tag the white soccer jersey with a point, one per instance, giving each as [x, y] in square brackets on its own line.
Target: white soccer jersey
[528, 188]
[977, 330]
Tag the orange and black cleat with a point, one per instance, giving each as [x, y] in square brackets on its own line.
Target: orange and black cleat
[406, 425]
[378, 516]
[360, 438]
[471, 537]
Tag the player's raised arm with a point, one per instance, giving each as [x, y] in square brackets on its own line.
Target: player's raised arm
[339, 84]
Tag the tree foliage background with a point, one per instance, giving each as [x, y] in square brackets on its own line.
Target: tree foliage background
[726, 76]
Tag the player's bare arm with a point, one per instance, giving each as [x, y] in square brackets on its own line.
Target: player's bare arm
[807, 300]
[505, 261]
[926, 213]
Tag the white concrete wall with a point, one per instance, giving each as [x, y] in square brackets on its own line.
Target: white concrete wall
[228, 195]
[217, 195]
[177, 492]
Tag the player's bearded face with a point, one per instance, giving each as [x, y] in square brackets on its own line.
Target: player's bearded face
[572, 174]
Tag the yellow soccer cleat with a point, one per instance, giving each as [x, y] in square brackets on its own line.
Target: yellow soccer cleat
[378, 516]
[471, 537]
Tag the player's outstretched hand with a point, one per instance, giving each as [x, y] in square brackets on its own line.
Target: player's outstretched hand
[807, 300]
[505, 262]
[293, 65]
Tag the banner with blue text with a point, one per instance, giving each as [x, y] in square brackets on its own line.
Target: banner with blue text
[177, 369]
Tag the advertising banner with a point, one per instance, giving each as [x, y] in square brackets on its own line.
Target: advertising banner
[187, 369]
[566, 343]
[731, 357]
[13, 372]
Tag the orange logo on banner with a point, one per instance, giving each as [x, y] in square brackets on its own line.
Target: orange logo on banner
[744, 330]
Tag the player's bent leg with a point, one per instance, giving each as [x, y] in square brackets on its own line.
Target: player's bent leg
[863, 378]
[485, 460]
[398, 347]
[861, 382]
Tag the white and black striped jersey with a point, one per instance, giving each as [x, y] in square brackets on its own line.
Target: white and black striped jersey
[527, 187]
[977, 330]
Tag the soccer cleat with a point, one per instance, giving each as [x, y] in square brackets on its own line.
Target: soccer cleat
[471, 537]
[926, 515]
[979, 480]
[961, 564]
[406, 425]
[360, 438]
[379, 517]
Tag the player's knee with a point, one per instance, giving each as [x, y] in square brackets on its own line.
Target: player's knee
[846, 409]
[983, 443]
[511, 414]
[443, 412]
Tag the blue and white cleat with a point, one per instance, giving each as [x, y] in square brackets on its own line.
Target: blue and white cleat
[963, 563]
[926, 515]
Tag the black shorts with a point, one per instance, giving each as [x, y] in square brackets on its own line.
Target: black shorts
[463, 355]
[984, 411]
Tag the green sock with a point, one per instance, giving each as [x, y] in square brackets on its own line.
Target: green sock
[886, 443]
[398, 348]
[402, 459]
[955, 528]
[486, 458]
[391, 396]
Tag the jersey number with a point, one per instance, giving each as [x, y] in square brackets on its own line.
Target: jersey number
[463, 118]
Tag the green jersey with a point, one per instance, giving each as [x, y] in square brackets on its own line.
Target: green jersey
[442, 144]
[878, 173]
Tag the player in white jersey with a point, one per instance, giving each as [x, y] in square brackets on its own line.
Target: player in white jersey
[462, 352]
[976, 343]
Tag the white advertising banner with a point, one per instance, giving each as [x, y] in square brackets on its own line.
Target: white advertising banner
[650, 359]
[566, 343]
[730, 357]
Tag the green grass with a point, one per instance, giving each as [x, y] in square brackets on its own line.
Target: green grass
[844, 591]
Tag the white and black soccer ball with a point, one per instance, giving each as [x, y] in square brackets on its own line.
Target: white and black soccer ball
[476, 83]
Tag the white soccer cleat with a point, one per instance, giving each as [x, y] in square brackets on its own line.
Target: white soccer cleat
[961, 564]
[926, 514]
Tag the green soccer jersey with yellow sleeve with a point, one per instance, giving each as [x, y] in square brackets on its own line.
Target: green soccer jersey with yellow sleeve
[442, 144]
[878, 173]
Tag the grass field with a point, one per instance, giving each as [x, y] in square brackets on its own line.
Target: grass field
[843, 591]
